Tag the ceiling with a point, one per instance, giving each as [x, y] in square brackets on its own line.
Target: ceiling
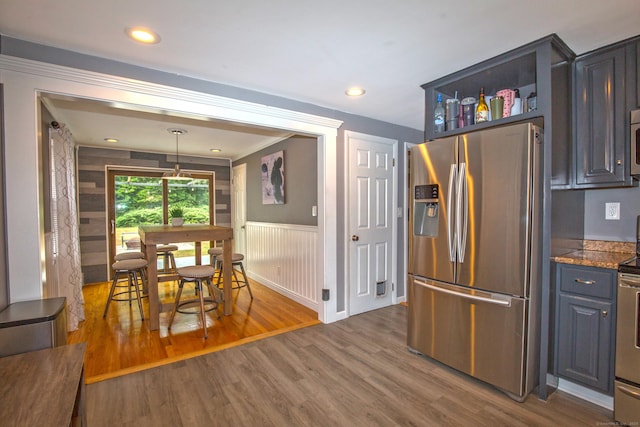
[303, 50]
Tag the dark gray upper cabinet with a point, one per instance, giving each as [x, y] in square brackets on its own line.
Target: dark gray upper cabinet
[637, 75]
[604, 94]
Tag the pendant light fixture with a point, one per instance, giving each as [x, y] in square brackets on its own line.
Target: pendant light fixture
[176, 173]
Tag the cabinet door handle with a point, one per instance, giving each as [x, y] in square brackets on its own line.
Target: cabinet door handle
[585, 282]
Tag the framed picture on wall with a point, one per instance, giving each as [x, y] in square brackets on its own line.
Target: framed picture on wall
[273, 179]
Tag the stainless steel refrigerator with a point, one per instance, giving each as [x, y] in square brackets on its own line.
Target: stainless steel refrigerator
[473, 254]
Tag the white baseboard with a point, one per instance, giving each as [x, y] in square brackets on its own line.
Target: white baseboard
[283, 291]
[585, 393]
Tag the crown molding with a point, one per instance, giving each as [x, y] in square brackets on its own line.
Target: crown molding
[59, 72]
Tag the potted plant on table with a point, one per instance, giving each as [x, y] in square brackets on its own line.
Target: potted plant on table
[177, 215]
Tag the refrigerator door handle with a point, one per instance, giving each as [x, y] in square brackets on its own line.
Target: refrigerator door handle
[462, 213]
[503, 302]
[453, 178]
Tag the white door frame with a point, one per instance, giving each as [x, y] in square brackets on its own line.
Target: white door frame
[242, 168]
[25, 79]
[348, 135]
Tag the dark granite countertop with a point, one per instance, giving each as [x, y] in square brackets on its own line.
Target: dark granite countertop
[599, 253]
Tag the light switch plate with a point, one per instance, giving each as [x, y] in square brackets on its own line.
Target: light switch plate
[612, 210]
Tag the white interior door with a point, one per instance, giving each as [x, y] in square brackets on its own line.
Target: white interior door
[239, 207]
[371, 199]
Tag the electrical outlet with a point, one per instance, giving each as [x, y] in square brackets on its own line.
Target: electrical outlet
[612, 210]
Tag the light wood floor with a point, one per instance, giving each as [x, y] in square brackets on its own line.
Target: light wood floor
[355, 372]
[122, 343]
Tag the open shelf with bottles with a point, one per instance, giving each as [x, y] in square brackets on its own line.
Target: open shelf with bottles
[528, 69]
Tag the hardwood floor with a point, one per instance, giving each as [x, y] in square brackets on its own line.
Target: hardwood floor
[122, 343]
[355, 372]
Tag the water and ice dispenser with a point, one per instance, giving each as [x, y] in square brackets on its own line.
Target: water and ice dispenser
[426, 210]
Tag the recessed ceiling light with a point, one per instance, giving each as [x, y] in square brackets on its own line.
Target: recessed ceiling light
[111, 140]
[216, 150]
[143, 35]
[355, 91]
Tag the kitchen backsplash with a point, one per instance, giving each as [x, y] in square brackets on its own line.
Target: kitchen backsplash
[598, 228]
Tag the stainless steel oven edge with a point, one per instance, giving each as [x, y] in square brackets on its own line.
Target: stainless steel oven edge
[626, 399]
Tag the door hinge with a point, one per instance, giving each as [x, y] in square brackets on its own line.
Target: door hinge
[394, 162]
[393, 286]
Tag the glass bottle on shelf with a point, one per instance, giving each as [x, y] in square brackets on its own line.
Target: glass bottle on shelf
[482, 110]
[516, 108]
[438, 116]
[531, 102]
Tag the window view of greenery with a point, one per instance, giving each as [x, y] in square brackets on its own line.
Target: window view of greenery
[140, 200]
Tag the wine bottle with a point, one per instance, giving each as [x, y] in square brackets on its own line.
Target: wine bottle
[438, 116]
[482, 110]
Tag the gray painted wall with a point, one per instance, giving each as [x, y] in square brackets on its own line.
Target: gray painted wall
[597, 228]
[300, 182]
[92, 200]
[23, 49]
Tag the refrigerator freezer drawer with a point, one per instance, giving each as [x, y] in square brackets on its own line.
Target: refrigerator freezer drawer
[478, 333]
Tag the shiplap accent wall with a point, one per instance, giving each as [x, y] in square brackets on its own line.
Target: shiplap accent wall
[283, 257]
[92, 164]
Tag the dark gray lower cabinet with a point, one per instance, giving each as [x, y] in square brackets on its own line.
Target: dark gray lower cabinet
[585, 326]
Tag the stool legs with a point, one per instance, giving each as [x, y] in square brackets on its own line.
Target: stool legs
[175, 305]
[198, 286]
[168, 260]
[234, 277]
[137, 288]
[246, 281]
[133, 281]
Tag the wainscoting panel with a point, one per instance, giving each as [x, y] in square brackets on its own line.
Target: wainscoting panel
[283, 257]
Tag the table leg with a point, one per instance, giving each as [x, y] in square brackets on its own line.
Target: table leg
[198, 253]
[226, 276]
[152, 278]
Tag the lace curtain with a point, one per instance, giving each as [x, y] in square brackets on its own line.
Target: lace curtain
[65, 239]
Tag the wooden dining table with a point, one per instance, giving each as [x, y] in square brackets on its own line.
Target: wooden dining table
[153, 235]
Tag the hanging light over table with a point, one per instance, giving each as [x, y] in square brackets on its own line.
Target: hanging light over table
[176, 173]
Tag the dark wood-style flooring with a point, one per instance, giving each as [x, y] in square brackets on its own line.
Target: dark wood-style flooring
[355, 372]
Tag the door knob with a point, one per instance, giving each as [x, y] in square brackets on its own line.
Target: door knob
[355, 238]
[604, 313]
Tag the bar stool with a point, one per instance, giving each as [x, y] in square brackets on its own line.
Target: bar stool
[122, 256]
[129, 255]
[196, 274]
[166, 252]
[213, 253]
[236, 261]
[133, 269]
